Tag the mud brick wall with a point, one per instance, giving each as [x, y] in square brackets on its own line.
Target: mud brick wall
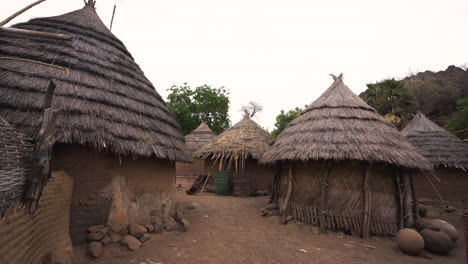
[26, 238]
[453, 185]
[187, 172]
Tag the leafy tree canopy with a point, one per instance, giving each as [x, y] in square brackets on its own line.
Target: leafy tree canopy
[458, 124]
[390, 97]
[192, 106]
[283, 119]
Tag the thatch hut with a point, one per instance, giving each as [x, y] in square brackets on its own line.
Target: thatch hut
[238, 150]
[115, 135]
[447, 153]
[15, 165]
[341, 167]
[188, 172]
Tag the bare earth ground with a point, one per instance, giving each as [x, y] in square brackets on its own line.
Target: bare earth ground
[230, 230]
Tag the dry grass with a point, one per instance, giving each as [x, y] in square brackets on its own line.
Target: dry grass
[199, 137]
[339, 125]
[439, 146]
[105, 102]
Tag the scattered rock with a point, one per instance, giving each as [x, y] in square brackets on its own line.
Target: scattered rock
[263, 212]
[185, 225]
[192, 206]
[156, 220]
[179, 212]
[437, 241]
[95, 228]
[448, 208]
[158, 229]
[150, 228]
[132, 242]
[136, 230]
[409, 241]
[114, 236]
[104, 230]
[96, 236]
[289, 218]
[145, 237]
[272, 207]
[106, 240]
[95, 249]
[315, 230]
[57, 257]
[123, 231]
[170, 224]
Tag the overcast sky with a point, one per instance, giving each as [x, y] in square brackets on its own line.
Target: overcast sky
[278, 53]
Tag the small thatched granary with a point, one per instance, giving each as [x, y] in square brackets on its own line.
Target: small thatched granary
[188, 172]
[341, 167]
[238, 149]
[447, 153]
[15, 165]
[115, 135]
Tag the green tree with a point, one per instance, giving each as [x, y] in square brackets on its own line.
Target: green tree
[390, 96]
[192, 106]
[458, 123]
[283, 119]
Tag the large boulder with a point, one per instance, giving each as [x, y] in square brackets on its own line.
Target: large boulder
[95, 249]
[409, 241]
[424, 223]
[437, 241]
[96, 236]
[136, 230]
[132, 242]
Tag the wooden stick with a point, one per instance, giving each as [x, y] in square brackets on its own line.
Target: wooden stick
[367, 203]
[37, 62]
[112, 20]
[208, 176]
[33, 33]
[435, 189]
[285, 209]
[8, 19]
[415, 199]
[323, 195]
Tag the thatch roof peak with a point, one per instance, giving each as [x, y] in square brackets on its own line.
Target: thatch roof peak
[199, 137]
[435, 143]
[104, 98]
[245, 136]
[339, 125]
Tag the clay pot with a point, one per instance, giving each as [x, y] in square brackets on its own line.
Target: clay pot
[437, 241]
[409, 241]
[424, 223]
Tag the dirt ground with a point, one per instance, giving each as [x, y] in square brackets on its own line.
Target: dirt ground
[230, 230]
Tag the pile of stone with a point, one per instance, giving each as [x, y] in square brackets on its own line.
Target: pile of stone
[434, 235]
[134, 235]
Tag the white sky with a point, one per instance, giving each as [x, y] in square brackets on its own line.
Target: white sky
[278, 53]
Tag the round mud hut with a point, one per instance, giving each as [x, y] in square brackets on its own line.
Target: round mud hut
[447, 153]
[114, 133]
[343, 167]
[15, 165]
[188, 172]
[237, 152]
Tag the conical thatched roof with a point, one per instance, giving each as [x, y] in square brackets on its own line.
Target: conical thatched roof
[105, 100]
[246, 136]
[199, 137]
[339, 125]
[436, 144]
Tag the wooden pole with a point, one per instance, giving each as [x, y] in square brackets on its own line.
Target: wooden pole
[8, 19]
[276, 179]
[112, 20]
[33, 33]
[415, 197]
[407, 199]
[44, 143]
[400, 196]
[285, 208]
[367, 202]
[323, 194]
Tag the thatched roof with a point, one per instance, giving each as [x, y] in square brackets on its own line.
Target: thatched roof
[105, 101]
[246, 136]
[436, 144]
[199, 137]
[339, 125]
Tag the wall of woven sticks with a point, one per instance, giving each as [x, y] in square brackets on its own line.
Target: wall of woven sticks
[344, 207]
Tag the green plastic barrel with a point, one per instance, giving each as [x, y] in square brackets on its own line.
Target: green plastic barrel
[222, 183]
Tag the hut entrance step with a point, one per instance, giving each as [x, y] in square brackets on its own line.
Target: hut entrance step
[222, 186]
[240, 184]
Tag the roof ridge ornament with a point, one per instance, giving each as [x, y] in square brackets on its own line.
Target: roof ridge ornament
[335, 78]
[90, 3]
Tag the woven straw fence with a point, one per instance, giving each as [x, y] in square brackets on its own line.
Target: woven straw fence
[15, 164]
[345, 197]
[26, 238]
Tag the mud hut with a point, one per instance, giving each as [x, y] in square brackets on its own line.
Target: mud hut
[238, 150]
[343, 167]
[188, 172]
[15, 165]
[447, 153]
[115, 135]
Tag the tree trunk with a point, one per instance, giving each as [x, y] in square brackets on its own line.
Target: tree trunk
[285, 208]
